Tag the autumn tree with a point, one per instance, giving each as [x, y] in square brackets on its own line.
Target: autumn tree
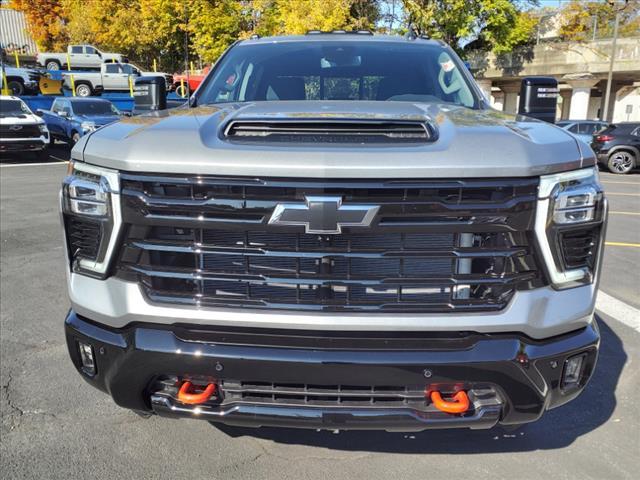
[46, 20]
[577, 19]
[498, 25]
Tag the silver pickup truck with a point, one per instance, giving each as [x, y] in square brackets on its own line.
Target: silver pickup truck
[337, 232]
[111, 77]
[78, 57]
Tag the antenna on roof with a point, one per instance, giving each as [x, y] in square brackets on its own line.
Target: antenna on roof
[411, 33]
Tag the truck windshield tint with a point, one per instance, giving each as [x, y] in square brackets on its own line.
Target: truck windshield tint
[336, 70]
[11, 108]
[94, 108]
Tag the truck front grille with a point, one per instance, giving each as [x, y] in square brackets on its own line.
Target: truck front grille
[19, 131]
[434, 246]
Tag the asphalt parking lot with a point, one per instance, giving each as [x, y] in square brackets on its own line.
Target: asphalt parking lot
[55, 426]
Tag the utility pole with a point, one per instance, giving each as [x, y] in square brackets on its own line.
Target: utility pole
[607, 94]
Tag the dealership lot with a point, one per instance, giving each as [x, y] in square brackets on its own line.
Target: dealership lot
[56, 426]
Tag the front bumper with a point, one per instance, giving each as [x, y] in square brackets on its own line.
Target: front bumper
[511, 379]
[24, 145]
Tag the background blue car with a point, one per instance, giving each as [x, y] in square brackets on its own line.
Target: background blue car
[583, 129]
[71, 118]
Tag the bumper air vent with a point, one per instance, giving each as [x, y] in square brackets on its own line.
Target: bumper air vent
[322, 131]
[83, 237]
[579, 247]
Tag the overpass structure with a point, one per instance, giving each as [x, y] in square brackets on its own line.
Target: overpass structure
[581, 70]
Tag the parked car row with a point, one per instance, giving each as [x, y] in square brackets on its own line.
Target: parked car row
[68, 120]
[617, 146]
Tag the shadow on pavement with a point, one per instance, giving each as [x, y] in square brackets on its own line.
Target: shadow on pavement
[59, 152]
[556, 429]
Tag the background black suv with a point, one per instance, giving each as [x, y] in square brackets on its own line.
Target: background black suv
[618, 147]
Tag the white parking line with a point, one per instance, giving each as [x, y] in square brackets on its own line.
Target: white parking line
[618, 310]
[39, 164]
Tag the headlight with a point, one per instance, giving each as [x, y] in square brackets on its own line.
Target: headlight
[88, 126]
[43, 128]
[91, 215]
[570, 224]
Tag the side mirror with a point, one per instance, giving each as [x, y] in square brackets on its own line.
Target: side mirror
[63, 114]
[149, 94]
[539, 98]
[39, 112]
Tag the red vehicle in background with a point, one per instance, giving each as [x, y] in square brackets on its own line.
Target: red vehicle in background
[184, 84]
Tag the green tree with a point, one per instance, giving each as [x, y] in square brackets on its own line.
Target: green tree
[498, 25]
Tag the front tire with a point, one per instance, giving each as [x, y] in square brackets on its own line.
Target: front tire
[52, 65]
[83, 90]
[16, 87]
[621, 162]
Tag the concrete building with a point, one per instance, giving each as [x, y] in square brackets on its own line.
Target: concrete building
[581, 70]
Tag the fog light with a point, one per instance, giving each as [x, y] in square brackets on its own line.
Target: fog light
[573, 368]
[86, 357]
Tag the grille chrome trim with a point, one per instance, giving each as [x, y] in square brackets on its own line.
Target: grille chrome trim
[207, 242]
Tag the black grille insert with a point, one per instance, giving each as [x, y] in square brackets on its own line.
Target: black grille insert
[435, 245]
[83, 237]
[324, 395]
[579, 247]
[19, 131]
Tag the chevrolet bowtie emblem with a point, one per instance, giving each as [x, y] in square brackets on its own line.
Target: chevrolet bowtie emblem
[323, 215]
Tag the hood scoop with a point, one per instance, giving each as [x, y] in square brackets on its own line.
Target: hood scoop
[325, 130]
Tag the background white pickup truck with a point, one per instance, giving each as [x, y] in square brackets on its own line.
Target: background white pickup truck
[111, 77]
[80, 57]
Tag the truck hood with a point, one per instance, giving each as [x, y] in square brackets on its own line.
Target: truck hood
[469, 143]
[24, 119]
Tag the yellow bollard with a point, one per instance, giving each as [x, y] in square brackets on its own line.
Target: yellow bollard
[5, 86]
[131, 86]
[68, 62]
[15, 52]
[73, 85]
[191, 63]
[154, 65]
[113, 59]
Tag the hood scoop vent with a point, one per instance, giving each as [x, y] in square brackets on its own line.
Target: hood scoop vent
[329, 131]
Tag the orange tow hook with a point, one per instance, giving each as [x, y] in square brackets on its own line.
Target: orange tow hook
[460, 403]
[191, 398]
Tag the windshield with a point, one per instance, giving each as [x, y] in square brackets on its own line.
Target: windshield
[95, 108]
[339, 70]
[12, 108]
